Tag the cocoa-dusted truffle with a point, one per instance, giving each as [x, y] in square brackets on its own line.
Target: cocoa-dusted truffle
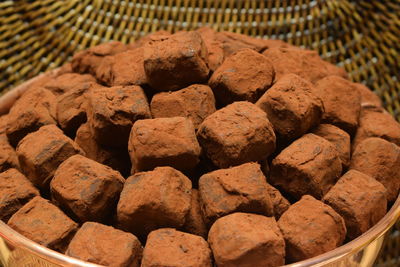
[311, 228]
[101, 244]
[168, 247]
[381, 160]
[40, 153]
[280, 203]
[233, 42]
[8, 157]
[292, 107]
[154, 199]
[242, 239]
[35, 108]
[195, 102]
[164, 142]
[342, 102]
[44, 223]
[148, 38]
[194, 223]
[66, 82]
[176, 61]
[310, 165]
[237, 134]
[15, 191]
[368, 97]
[214, 47]
[112, 111]
[3, 123]
[359, 199]
[245, 75]
[339, 138]
[238, 189]
[85, 189]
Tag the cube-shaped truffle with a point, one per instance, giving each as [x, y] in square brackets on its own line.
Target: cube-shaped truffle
[8, 157]
[154, 199]
[44, 223]
[238, 189]
[66, 82]
[339, 138]
[310, 165]
[112, 111]
[379, 159]
[242, 239]
[176, 61]
[359, 199]
[168, 247]
[292, 107]
[368, 97]
[214, 47]
[233, 42]
[236, 134]
[40, 153]
[15, 191]
[195, 102]
[245, 75]
[342, 102]
[142, 41]
[164, 142]
[311, 228]
[194, 223]
[105, 245]
[85, 189]
[35, 108]
[280, 203]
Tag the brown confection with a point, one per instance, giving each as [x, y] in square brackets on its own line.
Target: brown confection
[339, 138]
[342, 102]
[195, 102]
[310, 165]
[359, 199]
[15, 191]
[272, 43]
[292, 107]
[376, 122]
[85, 189]
[112, 111]
[65, 68]
[8, 157]
[40, 153]
[311, 228]
[214, 47]
[3, 123]
[194, 223]
[280, 203]
[368, 97]
[176, 61]
[164, 142]
[168, 247]
[238, 189]
[379, 159]
[154, 199]
[35, 108]
[233, 42]
[242, 239]
[245, 75]
[44, 223]
[148, 38]
[305, 63]
[125, 68]
[105, 245]
[66, 82]
[116, 158]
[237, 134]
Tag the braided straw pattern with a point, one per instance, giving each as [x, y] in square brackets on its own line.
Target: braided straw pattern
[362, 36]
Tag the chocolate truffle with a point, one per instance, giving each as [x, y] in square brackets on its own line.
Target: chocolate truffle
[105, 245]
[310, 165]
[8, 157]
[85, 189]
[44, 223]
[194, 223]
[359, 199]
[66, 82]
[233, 42]
[40, 153]
[368, 97]
[280, 203]
[3, 123]
[168, 247]
[214, 47]
[164, 142]
[15, 191]
[236, 134]
[242, 239]
[154, 199]
[311, 228]
[144, 40]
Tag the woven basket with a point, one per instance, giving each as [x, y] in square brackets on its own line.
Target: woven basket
[362, 36]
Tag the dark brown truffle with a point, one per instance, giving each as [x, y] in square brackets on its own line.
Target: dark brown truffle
[194, 223]
[8, 157]
[66, 82]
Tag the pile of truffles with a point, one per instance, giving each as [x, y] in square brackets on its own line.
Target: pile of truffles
[197, 148]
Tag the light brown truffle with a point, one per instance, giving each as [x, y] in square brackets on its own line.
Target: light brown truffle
[233, 42]
[194, 222]
[280, 203]
[195, 102]
[148, 38]
[101, 244]
[214, 47]
[310, 165]
[66, 82]
[168, 247]
[368, 97]
[237, 134]
[311, 228]
[359, 199]
[3, 123]
[242, 239]
[8, 157]
[85, 189]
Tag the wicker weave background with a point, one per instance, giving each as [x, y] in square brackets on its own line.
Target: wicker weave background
[363, 36]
